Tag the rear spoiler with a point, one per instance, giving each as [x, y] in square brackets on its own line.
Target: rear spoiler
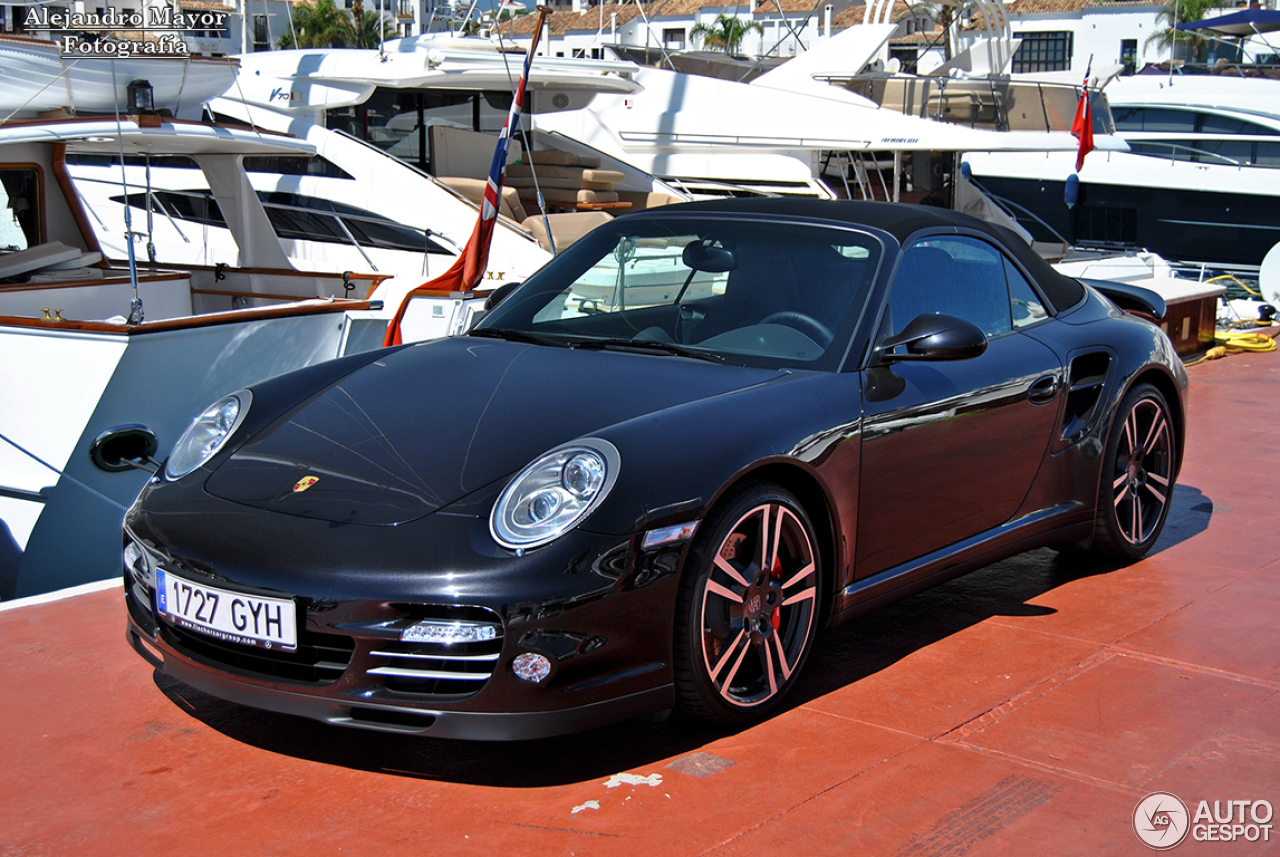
[1130, 298]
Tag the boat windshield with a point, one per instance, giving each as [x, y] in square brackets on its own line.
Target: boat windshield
[750, 292]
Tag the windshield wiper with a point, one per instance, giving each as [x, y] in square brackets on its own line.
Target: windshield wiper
[516, 336]
[624, 344]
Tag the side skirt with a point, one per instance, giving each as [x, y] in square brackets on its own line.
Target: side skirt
[1065, 523]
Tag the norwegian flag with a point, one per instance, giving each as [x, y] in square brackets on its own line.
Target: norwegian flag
[468, 269]
[1082, 125]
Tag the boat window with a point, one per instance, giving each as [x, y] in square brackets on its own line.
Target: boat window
[21, 220]
[769, 294]
[1268, 155]
[1215, 124]
[295, 165]
[179, 162]
[296, 217]
[1165, 119]
[1216, 151]
[396, 120]
[289, 165]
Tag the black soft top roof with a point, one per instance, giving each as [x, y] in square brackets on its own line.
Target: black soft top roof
[901, 220]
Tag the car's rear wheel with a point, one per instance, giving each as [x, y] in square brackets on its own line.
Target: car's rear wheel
[748, 606]
[1137, 476]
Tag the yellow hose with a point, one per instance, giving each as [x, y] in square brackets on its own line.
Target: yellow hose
[1237, 342]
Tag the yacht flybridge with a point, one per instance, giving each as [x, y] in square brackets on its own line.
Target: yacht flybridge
[38, 79]
[409, 132]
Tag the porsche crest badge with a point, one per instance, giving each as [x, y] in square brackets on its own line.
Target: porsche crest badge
[304, 483]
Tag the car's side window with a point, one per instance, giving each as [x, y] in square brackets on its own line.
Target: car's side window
[1028, 308]
[965, 277]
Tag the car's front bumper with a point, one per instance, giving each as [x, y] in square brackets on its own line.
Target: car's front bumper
[413, 719]
[600, 609]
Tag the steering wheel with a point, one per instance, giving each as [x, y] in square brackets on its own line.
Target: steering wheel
[806, 324]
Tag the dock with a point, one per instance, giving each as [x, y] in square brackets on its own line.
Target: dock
[1026, 708]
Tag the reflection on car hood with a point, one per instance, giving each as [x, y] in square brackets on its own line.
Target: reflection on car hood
[422, 427]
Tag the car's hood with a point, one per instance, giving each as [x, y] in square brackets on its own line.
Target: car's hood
[424, 426]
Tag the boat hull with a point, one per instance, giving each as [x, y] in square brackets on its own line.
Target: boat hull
[59, 531]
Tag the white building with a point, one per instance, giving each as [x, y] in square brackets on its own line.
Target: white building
[1062, 35]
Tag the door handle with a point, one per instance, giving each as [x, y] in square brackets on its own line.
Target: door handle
[1043, 390]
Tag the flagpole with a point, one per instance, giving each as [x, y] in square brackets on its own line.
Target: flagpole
[468, 269]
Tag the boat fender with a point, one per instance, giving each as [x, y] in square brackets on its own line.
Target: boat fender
[1071, 193]
[966, 170]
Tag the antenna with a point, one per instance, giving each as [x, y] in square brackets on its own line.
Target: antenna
[136, 313]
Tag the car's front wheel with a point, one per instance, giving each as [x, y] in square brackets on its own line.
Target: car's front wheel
[1137, 475]
[748, 606]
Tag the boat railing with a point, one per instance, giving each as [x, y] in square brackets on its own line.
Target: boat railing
[992, 103]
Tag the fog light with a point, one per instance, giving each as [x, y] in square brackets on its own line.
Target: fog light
[530, 667]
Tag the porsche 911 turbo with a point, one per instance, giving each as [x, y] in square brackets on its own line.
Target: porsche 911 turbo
[652, 472]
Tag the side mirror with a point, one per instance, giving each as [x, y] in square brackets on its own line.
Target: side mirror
[935, 336]
[499, 294]
[129, 447]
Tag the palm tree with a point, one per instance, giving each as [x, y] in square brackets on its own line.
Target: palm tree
[369, 34]
[1179, 12]
[725, 33]
[320, 24]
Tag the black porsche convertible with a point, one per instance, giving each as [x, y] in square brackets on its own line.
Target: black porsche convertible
[652, 472]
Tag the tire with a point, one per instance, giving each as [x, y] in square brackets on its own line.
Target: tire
[748, 606]
[1137, 476]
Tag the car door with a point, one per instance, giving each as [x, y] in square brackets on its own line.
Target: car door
[951, 450]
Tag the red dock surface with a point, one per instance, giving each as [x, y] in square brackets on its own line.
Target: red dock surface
[1024, 709]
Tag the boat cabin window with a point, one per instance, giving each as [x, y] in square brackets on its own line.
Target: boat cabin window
[21, 219]
[1175, 120]
[289, 165]
[396, 121]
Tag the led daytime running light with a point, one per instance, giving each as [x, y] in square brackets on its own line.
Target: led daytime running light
[448, 633]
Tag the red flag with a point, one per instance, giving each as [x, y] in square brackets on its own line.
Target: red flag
[468, 269]
[1082, 125]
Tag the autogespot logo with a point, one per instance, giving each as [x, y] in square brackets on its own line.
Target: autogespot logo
[1160, 820]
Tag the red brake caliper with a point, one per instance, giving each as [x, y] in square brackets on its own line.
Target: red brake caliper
[776, 572]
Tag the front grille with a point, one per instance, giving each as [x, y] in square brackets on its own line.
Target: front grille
[448, 670]
[319, 658]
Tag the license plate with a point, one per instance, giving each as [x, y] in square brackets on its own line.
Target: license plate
[233, 617]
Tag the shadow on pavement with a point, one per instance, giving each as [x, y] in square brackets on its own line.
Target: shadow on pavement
[842, 656]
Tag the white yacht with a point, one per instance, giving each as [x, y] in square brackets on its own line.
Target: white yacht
[409, 131]
[1201, 184]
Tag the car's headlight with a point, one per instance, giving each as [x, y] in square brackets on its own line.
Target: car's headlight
[207, 434]
[554, 494]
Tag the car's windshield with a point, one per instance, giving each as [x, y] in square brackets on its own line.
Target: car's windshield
[745, 291]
